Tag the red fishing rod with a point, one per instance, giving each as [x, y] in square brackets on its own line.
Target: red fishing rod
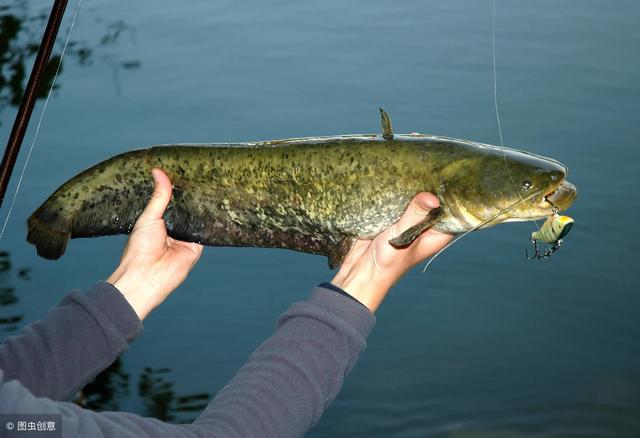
[30, 95]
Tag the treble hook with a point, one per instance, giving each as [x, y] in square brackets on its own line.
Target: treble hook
[547, 252]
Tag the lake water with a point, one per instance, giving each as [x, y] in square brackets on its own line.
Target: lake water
[486, 343]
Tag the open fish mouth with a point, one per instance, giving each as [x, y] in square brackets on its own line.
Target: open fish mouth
[562, 197]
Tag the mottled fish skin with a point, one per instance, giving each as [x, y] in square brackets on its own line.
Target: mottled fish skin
[303, 194]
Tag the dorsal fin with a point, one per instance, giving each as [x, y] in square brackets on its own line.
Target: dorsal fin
[387, 130]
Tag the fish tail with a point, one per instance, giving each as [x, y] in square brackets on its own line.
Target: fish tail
[100, 201]
[48, 233]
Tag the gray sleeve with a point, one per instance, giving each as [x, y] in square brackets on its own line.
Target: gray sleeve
[281, 391]
[77, 339]
[291, 378]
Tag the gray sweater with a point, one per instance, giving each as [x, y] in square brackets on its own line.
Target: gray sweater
[281, 391]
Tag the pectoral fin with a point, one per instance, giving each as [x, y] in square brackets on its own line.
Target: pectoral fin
[337, 256]
[405, 239]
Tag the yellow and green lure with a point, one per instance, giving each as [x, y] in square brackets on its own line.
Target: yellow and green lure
[554, 229]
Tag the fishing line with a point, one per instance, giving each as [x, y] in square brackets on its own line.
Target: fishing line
[44, 108]
[495, 81]
[495, 101]
[502, 148]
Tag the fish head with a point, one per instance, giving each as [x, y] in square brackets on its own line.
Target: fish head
[508, 185]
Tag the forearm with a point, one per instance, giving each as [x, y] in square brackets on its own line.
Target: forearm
[79, 422]
[77, 339]
[290, 380]
[281, 391]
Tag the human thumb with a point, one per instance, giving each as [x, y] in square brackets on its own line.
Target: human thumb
[159, 198]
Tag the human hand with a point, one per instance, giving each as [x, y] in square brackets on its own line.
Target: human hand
[153, 264]
[372, 266]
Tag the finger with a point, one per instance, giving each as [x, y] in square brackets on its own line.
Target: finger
[418, 208]
[196, 248]
[358, 248]
[159, 198]
[196, 252]
[430, 243]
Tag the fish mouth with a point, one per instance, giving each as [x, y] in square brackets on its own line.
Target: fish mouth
[561, 197]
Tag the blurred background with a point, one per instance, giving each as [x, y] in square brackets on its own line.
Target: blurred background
[486, 343]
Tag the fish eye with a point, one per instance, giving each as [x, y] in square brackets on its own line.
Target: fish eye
[526, 184]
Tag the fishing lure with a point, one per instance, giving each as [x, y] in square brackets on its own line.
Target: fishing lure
[554, 229]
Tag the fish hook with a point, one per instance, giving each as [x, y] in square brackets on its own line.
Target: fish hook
[542, 255]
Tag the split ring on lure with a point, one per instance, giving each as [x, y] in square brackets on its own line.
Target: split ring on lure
[554, 229]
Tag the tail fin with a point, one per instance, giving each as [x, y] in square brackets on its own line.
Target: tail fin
[49, 240]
